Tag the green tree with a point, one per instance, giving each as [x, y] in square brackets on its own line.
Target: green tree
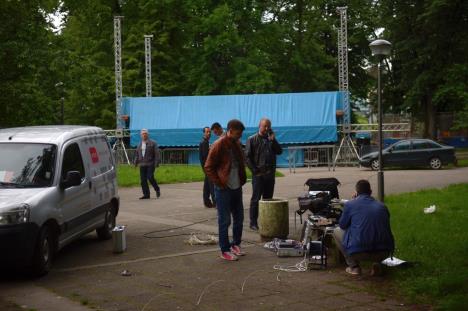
[27, 96]
[429, 56]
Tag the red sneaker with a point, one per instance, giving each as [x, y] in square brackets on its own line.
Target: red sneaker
[236, 250]
[228, 256]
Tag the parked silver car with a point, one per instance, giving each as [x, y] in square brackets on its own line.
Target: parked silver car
[412, 152]
[57, 183]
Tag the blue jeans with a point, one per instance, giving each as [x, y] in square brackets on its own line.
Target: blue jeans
[229, 202]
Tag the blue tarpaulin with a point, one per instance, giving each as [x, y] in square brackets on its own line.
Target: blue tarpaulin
[177, 121]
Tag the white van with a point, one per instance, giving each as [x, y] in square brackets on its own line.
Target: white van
[57, 183]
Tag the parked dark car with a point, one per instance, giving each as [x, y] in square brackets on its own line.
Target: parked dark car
[412, 152]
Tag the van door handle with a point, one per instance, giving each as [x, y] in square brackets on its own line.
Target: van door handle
[90, 184]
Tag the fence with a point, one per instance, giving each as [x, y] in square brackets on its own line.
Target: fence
[321, 155]
[168, 156]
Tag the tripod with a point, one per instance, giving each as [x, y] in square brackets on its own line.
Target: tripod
[119, 146]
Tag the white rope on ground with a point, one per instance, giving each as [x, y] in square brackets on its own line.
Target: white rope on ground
[248, 276]
[196, 240]
[301, 266]
[154, 297]
[277, 276]
[203, 292]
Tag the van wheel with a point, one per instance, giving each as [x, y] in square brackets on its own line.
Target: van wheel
[375, 165]
[42, 260]
[105, 232]
[435, 163]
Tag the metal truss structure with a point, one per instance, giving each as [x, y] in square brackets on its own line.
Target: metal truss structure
[386, 127]
[343, 66]
[347, 151]
[148, 64]
[118, 69]
[118, 133]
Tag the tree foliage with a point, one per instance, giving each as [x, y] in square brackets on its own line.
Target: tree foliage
[429, 61]
[207, 47]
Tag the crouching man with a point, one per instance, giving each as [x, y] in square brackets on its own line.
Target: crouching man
[364, 232]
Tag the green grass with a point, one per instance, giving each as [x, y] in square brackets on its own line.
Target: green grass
[129, 176]
[437, 243]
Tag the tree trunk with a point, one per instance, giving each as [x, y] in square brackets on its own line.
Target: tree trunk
[429, 117]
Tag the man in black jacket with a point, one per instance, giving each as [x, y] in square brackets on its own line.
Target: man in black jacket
[208, 188]
[261, 151]
[147, 157]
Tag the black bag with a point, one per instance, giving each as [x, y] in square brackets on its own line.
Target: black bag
[324, 184]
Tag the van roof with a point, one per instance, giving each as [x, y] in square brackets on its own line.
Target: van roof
[48, 134]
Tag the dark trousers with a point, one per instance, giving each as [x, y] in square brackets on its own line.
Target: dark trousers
[147, 173]
[208, 190]
[353, 260]
[229, 202]
[262, 188]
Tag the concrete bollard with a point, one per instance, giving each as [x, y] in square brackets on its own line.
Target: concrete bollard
[273, 218]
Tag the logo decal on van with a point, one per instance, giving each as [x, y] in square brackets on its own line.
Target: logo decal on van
[94, 155]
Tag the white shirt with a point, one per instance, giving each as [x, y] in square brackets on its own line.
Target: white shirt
[143, 148]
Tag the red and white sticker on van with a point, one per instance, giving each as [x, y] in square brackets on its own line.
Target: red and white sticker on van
[94, 155]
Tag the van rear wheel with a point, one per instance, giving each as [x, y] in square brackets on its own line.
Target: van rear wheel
[105, 232]
[42, 260]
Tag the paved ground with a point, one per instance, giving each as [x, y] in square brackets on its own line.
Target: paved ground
[167, 274]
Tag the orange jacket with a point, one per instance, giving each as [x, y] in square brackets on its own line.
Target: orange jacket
[218, 163]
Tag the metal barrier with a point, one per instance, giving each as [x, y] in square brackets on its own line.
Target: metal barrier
[320, 155]
[168, 156]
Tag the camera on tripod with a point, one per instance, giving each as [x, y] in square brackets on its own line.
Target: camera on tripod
[321, 199]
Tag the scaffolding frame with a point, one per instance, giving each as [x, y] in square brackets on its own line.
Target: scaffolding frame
[119, 143]
[148, 64]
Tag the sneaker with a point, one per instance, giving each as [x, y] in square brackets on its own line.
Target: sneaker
[228, 256]
[158, 194]
[236, 250]
[376, 269]
[353, 271]
[144, 197]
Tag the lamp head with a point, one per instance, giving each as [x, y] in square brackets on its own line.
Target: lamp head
[380, 48]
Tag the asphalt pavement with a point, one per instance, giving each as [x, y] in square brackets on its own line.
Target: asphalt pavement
[166, 273]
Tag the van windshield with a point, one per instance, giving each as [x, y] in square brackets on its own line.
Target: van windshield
[27, 165]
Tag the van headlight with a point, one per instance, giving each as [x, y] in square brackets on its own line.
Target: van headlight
[15, 215]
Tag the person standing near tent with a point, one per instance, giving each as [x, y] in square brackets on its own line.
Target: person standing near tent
[148, 158]
[225, 168]
[217, 129]
[261, 150]
[208, 188]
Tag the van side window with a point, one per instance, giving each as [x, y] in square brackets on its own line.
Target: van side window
[72, 160]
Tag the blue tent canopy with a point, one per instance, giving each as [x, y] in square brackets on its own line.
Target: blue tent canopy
[177, 121]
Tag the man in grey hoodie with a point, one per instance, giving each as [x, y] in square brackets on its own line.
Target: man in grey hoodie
[148, 158]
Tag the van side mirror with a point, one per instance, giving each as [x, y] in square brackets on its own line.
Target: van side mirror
[73, 179]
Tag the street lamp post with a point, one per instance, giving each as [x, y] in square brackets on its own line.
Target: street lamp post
[380, 48]
[62, 99]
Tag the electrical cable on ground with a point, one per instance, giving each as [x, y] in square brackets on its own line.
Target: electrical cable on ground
[203, 292]
[148, 234]
[245, 280]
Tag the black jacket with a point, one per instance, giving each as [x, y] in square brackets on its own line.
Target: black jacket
[152, 154]
[256, 151]
[204, 148]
